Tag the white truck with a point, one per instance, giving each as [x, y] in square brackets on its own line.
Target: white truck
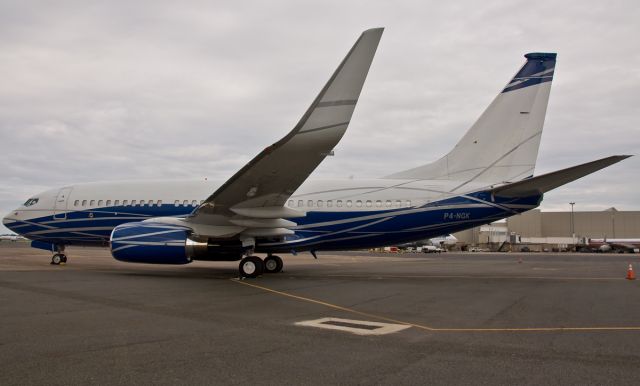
[431, 249]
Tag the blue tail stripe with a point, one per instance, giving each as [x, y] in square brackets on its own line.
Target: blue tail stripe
[538, 69]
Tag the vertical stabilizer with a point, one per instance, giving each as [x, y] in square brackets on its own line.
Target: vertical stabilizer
[503, 143]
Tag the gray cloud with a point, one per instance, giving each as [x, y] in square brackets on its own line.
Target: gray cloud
[130, 90]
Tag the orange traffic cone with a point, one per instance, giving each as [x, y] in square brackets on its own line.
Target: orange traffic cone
[630, 274]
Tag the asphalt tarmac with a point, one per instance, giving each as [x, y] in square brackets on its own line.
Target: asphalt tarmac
[454, 318]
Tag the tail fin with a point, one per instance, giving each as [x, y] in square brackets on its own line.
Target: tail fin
[503, 143]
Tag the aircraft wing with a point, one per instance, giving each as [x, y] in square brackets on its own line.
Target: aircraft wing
[260, 189]
[621, 245]
[546, 182]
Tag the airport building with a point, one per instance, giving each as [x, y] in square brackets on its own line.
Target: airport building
[538, 230]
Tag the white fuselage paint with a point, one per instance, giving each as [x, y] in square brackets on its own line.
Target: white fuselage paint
[356, 195]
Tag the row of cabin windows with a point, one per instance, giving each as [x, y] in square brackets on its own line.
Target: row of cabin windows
[149, 203]
[292, 203]
[349, 203]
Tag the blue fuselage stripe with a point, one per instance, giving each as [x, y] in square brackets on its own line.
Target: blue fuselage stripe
[318, 230]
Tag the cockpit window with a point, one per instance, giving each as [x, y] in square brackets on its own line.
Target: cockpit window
[31, 201]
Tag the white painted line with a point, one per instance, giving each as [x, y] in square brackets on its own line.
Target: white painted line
[358, 327]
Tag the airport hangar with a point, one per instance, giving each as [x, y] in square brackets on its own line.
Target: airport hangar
[538, 230]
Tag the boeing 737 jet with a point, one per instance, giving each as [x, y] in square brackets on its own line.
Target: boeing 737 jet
[270, 205]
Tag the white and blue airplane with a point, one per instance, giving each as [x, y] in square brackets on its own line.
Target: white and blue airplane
[270, 206]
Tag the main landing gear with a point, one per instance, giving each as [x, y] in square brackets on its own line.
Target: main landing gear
[253, 266]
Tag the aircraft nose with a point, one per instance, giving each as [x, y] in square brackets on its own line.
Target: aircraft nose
[7, 220]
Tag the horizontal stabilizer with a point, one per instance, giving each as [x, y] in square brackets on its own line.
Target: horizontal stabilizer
[549, 181]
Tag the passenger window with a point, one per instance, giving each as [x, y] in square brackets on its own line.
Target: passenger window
[108, 202]
[125, 202]
[92, 203]
[358, 204]
[84, 202]
[388, 203]
[176, 203]
[100, 203]
[369, 204]
[320, 203]
[133, 202]
[339, 203]
[310, 203]
[185, 203]
[76, 203]
[159, 203]
[290, 203]
[398, 203]
[349, 204]
[329, 203]
[116, 203]
[150, 202]
[141, 202]
[300, 203]
[408, 203]
[378, 204]
[194, 203]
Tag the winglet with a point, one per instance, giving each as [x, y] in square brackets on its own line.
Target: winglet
[334, 105]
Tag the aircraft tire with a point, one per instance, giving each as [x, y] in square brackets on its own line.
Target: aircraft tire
[63, 259]
[56, 259]
[251, 266]
[273, 264]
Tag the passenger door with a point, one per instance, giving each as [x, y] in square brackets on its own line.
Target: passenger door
[60, 204]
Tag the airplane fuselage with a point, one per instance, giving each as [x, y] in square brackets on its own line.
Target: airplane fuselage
[339, 213]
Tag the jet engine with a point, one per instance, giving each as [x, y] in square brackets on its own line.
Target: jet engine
[158, 243]
[605, 248]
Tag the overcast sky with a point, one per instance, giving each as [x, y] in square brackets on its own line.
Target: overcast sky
[117, 90]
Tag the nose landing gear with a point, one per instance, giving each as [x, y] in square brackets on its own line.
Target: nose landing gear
[58, 258]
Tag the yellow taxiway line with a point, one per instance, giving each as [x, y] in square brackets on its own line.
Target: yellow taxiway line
[434, 329]
[490, 277]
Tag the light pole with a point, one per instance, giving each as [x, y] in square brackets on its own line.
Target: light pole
[573, 232]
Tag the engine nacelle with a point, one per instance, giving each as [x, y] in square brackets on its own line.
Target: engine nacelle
[605, 248]
[158, 243]
[151, 243]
